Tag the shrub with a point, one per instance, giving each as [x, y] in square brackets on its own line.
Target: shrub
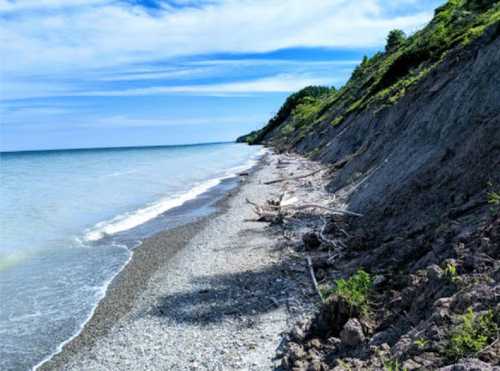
[387, 76]
[421, 343]
[393, 366]
[395, 39]
[472, 334]
[450, 272]
[479, 4]
[494, 198]
[355, 290]
[287, 108]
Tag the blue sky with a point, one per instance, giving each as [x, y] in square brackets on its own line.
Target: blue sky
[98, 73]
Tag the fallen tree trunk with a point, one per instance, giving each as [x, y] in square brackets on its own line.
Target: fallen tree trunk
[293, 177]
[315, 206]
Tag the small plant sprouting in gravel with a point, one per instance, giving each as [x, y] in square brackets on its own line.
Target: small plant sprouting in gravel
[355, 290]
[344, 365]
[493, 196]
[393, 365]
[421, 343]
[450, 273]
[472, 335]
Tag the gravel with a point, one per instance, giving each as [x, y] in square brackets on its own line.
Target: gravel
[218, 303]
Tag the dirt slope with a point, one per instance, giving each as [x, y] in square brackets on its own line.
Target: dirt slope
[424, 171]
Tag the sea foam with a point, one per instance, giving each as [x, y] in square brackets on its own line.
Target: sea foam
[135, 218]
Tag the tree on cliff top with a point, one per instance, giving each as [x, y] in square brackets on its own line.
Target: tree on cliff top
[394, 40]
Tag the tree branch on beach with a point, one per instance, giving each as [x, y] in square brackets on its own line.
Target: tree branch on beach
[293, 177]
[313, 278]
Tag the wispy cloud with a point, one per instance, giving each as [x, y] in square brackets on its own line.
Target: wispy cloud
[158, 73]
[85, 61]
[10, 6]
[128, 121]
[274, 84]
[103, 34]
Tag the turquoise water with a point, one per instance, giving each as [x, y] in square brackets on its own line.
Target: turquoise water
[70, 220]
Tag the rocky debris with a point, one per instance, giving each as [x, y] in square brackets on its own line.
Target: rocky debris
[378, 280]
[429, 238]
[412, 311]
[332, 317]
[352, 333]
[471, 364]
[311, 241]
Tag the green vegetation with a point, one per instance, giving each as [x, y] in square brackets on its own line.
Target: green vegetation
[355, 290]
[421, 343]
[344, 365]
[450, 273]
[472, 335]
[395, 39]
[494, 198]
[393, 365]
[384, 78]
[301, 100]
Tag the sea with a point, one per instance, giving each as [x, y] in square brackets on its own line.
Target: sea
[71, 219]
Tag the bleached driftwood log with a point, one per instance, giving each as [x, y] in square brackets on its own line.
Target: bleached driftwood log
[329, 209]
[293, 177]
[276, 210]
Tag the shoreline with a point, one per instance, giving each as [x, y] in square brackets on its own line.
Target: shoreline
[149, 256]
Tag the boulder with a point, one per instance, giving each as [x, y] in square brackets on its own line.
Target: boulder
[470, 364]
[352, 333]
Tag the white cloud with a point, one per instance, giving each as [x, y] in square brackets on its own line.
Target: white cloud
[97, 40]
[283, 83]
[127, 121]
[108, 34]
[15, 6]
[273, 62]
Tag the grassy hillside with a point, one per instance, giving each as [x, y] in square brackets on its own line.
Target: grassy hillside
[384, 78]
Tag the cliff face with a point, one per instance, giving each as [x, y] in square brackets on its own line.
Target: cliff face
[421, 149]
[413, 142]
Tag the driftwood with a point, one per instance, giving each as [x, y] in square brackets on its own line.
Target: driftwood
[270, 214]
[313, 278]
[275, 210]
[332, 210]
[293, 177]
[323, 236]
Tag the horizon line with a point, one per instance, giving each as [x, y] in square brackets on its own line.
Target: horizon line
[113, 148]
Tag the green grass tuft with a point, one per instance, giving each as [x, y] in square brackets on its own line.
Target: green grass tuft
[472, 335]
[393, 365]
[421, 343]
[494, 198]
[355, 290]
[450, 273]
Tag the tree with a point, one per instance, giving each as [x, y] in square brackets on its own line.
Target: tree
[394, 40]
[476, 5]
[360, 69]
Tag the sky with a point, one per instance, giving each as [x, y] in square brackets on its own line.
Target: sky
[107, 73]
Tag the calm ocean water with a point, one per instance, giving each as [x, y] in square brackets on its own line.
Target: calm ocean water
[69, 221]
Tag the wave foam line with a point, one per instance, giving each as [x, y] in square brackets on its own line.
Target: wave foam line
[133, 219]
[121, 222]
[100, 295]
